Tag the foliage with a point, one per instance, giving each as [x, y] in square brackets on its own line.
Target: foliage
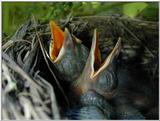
[133, 9]
[15, 13]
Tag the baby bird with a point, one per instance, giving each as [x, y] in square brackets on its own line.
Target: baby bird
[67, 53]
[94, 85]
[102, 79]
[98, 76]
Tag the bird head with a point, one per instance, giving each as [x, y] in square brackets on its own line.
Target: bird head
[95, 69]
[67, 53]
[60, 43]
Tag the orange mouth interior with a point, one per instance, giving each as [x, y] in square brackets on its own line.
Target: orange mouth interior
[57, 40]
[97, 54]
[98, 64]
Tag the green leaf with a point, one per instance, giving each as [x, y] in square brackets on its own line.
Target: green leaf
[133, 9]
[151, 12]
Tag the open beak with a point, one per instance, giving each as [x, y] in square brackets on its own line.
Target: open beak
[95, 57]
[60, 41]
[109, 59]
[57, 40]
[90, 74]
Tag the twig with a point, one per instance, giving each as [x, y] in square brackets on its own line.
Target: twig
[11, 42]
[53, 98]
[114, 16]
[17, 69]
[137, 39]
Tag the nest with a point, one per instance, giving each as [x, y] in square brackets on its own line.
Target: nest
[30, 87]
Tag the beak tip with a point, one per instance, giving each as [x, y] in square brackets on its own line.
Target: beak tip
[66, 30]
[52, 23]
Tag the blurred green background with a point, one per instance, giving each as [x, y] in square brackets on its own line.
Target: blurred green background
[15, 13]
